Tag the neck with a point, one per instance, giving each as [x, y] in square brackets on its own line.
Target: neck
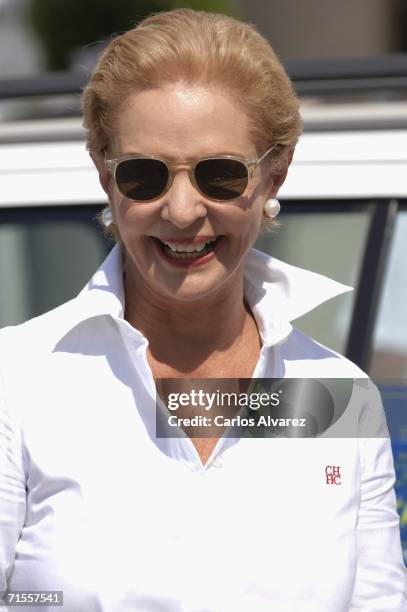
[179, 331]
[216, 316]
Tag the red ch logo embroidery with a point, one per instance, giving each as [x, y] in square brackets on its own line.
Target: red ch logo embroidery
[333, 474]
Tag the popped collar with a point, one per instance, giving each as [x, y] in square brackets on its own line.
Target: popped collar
[277, 292]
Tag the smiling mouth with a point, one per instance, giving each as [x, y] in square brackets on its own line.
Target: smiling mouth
[188, 250]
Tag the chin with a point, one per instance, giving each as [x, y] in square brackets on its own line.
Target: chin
[189, 291]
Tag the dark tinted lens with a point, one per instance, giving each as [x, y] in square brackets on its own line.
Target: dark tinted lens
[221, 179]
[141, 179]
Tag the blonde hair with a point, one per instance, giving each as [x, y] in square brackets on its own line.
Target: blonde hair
[195, 47]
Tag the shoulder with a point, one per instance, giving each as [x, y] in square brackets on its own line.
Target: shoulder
[304, 356]
[25, 345]
[41, 359]
[23, 349]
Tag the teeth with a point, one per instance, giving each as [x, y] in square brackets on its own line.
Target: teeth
[188, 250]
[188, 247]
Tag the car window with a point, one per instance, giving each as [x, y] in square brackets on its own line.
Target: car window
[389, 354]
[330, 243]
[48, 253]
[388, 362]
[46, 257]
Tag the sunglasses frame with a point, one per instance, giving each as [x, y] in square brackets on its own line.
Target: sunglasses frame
[250, 165]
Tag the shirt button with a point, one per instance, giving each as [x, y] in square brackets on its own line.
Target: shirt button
[218, 462]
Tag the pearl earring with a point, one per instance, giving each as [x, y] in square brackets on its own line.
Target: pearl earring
[107, 217]
[271, 208]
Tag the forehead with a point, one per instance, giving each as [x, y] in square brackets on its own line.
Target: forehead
[181, 122]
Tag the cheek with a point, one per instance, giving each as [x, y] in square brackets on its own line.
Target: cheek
[250, 223]
[133, 219]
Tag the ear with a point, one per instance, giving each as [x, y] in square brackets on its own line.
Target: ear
[104, 174]
[279, 178]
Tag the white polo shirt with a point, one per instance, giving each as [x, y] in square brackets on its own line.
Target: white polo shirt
[93, 504]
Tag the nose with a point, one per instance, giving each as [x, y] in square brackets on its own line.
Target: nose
[183, 204]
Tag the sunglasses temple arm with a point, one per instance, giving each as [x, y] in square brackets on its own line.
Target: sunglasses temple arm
[265, 154]
[110, 164]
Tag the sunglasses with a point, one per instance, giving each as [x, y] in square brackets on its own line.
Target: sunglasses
[221, 178]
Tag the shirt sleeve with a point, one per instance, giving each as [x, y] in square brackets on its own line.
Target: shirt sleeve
[381, 584]
[12, 492]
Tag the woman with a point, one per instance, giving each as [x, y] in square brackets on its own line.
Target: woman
[192, 125]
